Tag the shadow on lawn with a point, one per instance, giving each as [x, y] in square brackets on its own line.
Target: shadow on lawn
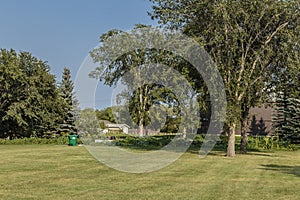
[265, 154]
[222, 151]
[294, 170]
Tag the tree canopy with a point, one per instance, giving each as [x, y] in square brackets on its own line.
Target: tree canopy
[249, 41]
[142, 71]
[29, 101]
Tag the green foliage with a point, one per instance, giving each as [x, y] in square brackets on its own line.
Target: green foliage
[70, 104]
[29, 100]
[286, 119]
[87, 122]
[106, 114]
[269, 143]
[293, 147]
[250, 41]
[36, 140]
[255, 143]
[141, 95]
[146, 142]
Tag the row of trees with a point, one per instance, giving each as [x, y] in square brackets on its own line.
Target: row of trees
[252, 42]
[31, 103]
[169, 125]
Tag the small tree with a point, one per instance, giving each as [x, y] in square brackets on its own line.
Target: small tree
[253, 126]
[261, 126]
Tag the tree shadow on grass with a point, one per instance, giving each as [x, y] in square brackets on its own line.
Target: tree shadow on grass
[294, 170]
[257, 153]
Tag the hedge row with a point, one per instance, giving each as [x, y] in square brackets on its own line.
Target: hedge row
[36, 140]
[154, 142]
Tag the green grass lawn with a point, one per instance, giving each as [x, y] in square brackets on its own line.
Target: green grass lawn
[62, 172]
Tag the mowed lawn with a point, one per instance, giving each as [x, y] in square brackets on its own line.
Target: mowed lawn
[62, 172]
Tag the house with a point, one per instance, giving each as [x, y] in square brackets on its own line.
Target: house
[112, 127]
[117, 128]
[259, 121]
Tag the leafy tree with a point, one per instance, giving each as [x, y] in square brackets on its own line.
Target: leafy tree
[136, 63]
[242, 37]
[106, 114]
[171, 125]
[66, 89]
[87, 122]
[29, 100]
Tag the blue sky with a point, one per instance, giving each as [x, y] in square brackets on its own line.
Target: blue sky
[62, 32]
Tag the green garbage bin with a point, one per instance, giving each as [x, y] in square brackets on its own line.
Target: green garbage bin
[72, 140]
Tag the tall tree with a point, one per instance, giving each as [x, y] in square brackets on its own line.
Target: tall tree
[286, 91]
[242, 38]
[106, 114]
[294, 121]
[137, 68]
[87, 122]
[286, 117]
[66, 89]
[29, 100]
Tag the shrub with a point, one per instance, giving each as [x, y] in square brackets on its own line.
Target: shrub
[36, 140]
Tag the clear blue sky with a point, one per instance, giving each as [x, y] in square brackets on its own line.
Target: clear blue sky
[62, 32]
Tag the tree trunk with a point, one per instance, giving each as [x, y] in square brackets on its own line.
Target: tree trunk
[141, 113]
[141, 129]
[243, 147]
[231, 141]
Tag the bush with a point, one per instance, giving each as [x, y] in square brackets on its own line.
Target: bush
[146, 142]
[269, 143]
[36, 140]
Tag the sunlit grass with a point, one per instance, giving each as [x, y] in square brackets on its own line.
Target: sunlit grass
[62, 172]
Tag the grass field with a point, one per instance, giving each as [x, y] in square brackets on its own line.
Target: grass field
[62, 172]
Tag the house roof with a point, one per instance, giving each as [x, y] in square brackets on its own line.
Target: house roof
[117, 126]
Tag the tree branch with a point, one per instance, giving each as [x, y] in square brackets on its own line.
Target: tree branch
[269, 38]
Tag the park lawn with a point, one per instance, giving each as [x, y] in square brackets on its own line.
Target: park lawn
[63, 172]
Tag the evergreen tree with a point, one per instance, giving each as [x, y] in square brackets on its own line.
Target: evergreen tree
[280, 118]
[294, 121]
[287, 119]
[286, 116]
[69, 101]
[261, 127]
[253, 126]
